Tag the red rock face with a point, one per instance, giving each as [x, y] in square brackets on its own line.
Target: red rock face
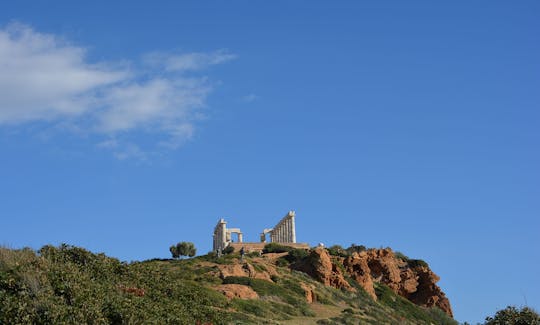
[321, 268]
[418, 283]
[359, 270]
[428, 293]
[309, 292]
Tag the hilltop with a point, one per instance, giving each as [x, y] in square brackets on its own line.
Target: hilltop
[67, 285]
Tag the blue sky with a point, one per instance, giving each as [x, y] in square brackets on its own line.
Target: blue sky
[126, 127]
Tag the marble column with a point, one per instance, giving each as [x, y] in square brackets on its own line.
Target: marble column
[288, 232]
[293, 231]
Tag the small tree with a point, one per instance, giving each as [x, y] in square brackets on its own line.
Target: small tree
[183, 249]
[186, 249]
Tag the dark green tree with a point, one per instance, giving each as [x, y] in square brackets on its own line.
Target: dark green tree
[183, 249]
[514, 316]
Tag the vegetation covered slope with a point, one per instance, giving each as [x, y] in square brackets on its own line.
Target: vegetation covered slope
[70, 285]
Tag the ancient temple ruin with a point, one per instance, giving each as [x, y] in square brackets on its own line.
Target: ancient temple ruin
[284, 233]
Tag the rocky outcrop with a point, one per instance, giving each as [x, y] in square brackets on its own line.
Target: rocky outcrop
[428, 293]
[410, 280]
[309, 292]
[359, 270]
[246, 270]
[320, 267]
[237, 291]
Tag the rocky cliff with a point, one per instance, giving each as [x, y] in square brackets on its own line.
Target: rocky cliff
[411, 279]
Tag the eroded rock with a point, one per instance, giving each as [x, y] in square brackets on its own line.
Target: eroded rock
[320, 267]
[237, 291]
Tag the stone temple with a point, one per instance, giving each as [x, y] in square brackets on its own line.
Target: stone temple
[283, 233]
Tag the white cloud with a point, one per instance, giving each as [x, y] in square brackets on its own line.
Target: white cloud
[189, 61]
[44, 78]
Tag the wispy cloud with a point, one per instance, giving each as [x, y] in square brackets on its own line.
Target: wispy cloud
[45, 78]
[189, 61]
[249, 98]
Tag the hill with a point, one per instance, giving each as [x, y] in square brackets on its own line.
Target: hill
[70, 285]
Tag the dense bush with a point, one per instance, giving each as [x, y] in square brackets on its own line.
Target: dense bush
[276, 248]
[355, 249]
[514, 316]
[282, 261]
[337, 250]
[296, 255]
[401, 256]
[228, 250]
[415, 263]
[70, 285]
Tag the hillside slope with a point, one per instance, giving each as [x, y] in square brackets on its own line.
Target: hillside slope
[70, 285]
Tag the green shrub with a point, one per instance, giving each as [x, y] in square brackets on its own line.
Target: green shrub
[70, 285]
[282, 261]
[514, 316]
[355, 249]
[228, 250]
[296, 255]
[337, 250]
[276, 248]
[415, 263]
[253, 254]
[401, 256]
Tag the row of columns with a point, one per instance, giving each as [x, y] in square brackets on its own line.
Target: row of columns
[284, 232]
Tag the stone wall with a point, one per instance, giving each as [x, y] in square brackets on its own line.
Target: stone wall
[257, 247]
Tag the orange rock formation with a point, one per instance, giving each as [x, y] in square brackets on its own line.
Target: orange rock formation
[414, 282]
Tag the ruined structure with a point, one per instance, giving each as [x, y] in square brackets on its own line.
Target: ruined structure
[284, 233]
[223, 236]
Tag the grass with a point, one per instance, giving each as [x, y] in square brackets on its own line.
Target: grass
[282, 293]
